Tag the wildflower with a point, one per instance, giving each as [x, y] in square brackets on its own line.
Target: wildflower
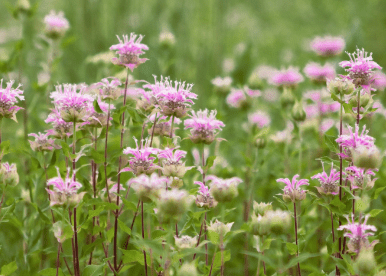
[171, 162]
[61, 128]
[365, 264]
[113, 191]
[109, 89]
[141, 160]
[65, 191]
[188, 269]
[259, 118]
[8, 174]
[292, 190]
[237, 99]
[204, 126]
[367, 157]
[279, 221]
[328, 183]
[204, 199]
[264, 72]
[287, 98]
[353, 140]
[167, 39]
[97, 119]
[42, 142]
[287, 77]
[340, 86]
[9, 97]
[379, 81]
[222, 85]
[360, 68]
[172, 204]
[185, 241]
[358, 235]
[261, 208]
[326, 124]
[56, 24]
[319, 73]
[163, 125]
[223, 190]
[148, 187]
[129, 50]
[220, 228]
[328, 45]
[73, 106]
[146, 100]
[361, 178]
[260, 225]
[173, 100]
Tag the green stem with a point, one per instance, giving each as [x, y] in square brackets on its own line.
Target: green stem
[211, 266]
[171, 127]
[105, 163]
[296, 237]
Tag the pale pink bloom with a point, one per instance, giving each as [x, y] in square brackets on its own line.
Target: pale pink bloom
[9, 97]
[379, 81]
[64, 190]
[265, 72]
[56, 24]
[204, 126]
[287, 77]
[197, 156]
[361, 178]
[114, 188]
[152, 182]
[221, 183]
[142, 158]
[326, 124]
[62, 129]
[328, 183]
[253, 93]
[284, 135]
[129, 50]
[204, 191]
[174, 194]
[109, 89]
[222, 84]
[328, 45]
[354, 140]
[360, 68]
[319, 73]
[294, 185]
[237, 98]
[171, 155]
[311, 110]
[99, 119]
[259, 118]
[42, 142]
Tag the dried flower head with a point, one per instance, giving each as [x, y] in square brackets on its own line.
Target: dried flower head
[328, 45]
[292, 190]
[9, 97]
[329, 184]
[56, 24]
[129, 50]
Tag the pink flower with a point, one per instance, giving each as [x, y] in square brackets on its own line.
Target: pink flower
[97, 119]
[61, 128]
[265, 72]
[354, 140]
[259, 118]
[292, 191]
[129, 51]
[319, 73]
[328, 45]
[142, 159]
[326, 124]
[204, 126]
[237, 98]
[73, 106]
[223, 190]
[222, 85]
[379, 81]
[204, 198]
[223, 183]
[328, 183]
[42, 142]
[360, 68]
[287, 77]
[109, 89]
[357, 234]
[9, 97]
[204, 191]
[172, 156]
[360, 178]
[56, 24]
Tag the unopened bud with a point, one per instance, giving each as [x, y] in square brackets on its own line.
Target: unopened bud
[287, 98]
[340, 87]
[261, 208]
[367, 158]
[298, 113]
[365, 264]
[260, 225]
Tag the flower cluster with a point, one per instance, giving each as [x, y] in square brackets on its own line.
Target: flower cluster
[56, 24]
[204, 199]
[328, 45]
[319, 73]
[9, 97]
[42, 142]
[329, 184]
[292, 190]
[148, 187]
[109, 89]
[259, 118]
[360, 178]
[223, 190]
[289, 77]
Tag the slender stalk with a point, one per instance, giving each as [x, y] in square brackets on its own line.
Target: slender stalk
[76, 245]
[171, 127]
[1, 124]
[340, 166]
[152, 133]
[296, 236]
[300, 150]
[333, 240]
[143, 237]
[105, 163]
[58, 259]
[211, 266]
[357, 122]
[198, 241]
[203, 181]
[2, 197]
[74, 150]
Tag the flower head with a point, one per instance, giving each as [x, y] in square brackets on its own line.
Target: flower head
[172, 163]
[8, 174]
[237, 99]
[141, 160]
[222, 85]
[328, 45]
[204, 199]
[360, 68]
[9, 97]
[97, 119]
[129, 50]
[73, 106]
[185, 241]
[287, 77]
[113, 191]
[259, 118]
[361, 178]
[357, 234]
[292, 190]
[319, 73]
[61, 128]
[148, 187]
[354, 140]
[223, 190]
[109, 89]
[220, 228]
[328, 183]
[172, 204]
[204, 126]
[42, 142]
[379, 81]
[56, 24]
[279, 221]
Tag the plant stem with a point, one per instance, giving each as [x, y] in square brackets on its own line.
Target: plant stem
[143, 237]
[340, 166]
[58, 259]
[152, 133]
[76, 245]
[211, 266]
[105, 163]
[2, 197]
[296, 236]
[203, 181]
[199, 236]
[171, 127]
[1, 124]
[74, 150]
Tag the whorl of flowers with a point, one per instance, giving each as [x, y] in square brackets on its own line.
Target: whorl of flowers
[319, 73]
[141, 160]
[97, 119]
[354, 140]
[109, 89]
[222, 85]
[287, 77]
[204, 126]
[237, 98]
[185, 241]
[8, 174]
[223, 190]
[9, 97]
[64, 190]
[292, 191]
[172, 163]
[73, 105]
[204, 198]
[328, 183]
[360, 68]
[379, 81]
[56, 24]
[358, 233]
[61, 128]
[328, 45]
[172, 204]
[361, 178]
[42, 142]
[259, 118]
[129, 50]
[148, 187]
[220, 228]
[173, 98]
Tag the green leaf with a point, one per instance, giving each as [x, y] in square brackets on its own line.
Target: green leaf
[336, 202]
[209, 162]
[4, 147]
[93, 270]
[8, 269]
[378, 191]
[292, 248]
[330, 143]
[96, 107]
[50, 272]
[217, 258]
[124, 227]
[110, 234]
[54, 158]
[375, 212]
[96, 156]
[214, 237]
[130, 256]
[266, 244]
[65, 148]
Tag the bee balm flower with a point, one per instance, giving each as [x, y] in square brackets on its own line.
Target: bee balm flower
[172, 204]
[185, 242]
[223, 190]
[328, 45]
[56, 24]
[172, 164]
[42, 142]
[109, 89]
[328, 183]
[292, 190]
[9, 97]
[204, 199]
[148, 187]
[319, 73]
[8, 174]
[287, 77]
[259, 118]
[360, 178]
